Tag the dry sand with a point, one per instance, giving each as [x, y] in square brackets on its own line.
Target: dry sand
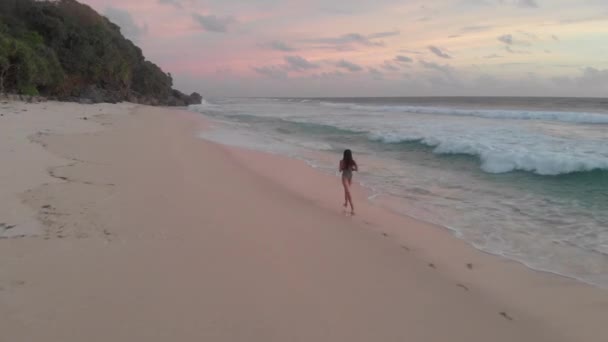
[129, 228]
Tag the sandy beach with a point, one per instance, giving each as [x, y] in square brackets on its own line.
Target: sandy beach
[118, 224]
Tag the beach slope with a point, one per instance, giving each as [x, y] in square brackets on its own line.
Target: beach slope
[150, 234]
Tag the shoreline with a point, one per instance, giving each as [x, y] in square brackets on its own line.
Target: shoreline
[513, 275]
[368, 194]
[150, 209]
[365, 193]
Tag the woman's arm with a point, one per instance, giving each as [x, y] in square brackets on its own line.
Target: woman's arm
[341, 167]
[355, 166]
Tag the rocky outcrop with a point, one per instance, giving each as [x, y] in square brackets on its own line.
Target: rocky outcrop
[24, 98]
[180, 99]
[93, 94]
[35, 60]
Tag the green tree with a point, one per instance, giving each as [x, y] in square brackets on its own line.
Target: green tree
[64, 48]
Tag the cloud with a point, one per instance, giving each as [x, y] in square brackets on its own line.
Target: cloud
[125, 21]
[387, 65]
[384, 34]
[271, 71]
[280, 46]
[350, 38]
[350, 66]
[517, 3]
[594, 82]
[527, 3]
[331, 75]
[520, 3]
[438, 52]
[506, 38]
[476, 28]
[413, 52]
[297, 63]
[591, 18]
[176, 3]
[403, 59]
[517, 52]
[445, 69]
[213, 23]
[347, 7]
[474, 3]
[529, 35]
[346, 41]
[376, 74]
[266, 39]
[281, 71]
[593, 77]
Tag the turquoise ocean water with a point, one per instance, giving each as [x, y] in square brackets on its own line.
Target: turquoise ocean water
[524, 178]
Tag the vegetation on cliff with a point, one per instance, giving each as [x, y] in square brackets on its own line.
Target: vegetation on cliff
[64, 49]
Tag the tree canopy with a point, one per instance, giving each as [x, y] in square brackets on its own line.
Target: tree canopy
[65, 49]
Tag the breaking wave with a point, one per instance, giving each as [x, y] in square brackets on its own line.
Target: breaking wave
[542, 160]
[511, 114]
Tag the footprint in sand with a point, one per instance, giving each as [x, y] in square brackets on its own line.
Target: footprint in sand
[11, 285]
[506, 316]
[431, 265]
[463, 287]
[7, 226]
[385, 234]
[405, 248]
[470, 266]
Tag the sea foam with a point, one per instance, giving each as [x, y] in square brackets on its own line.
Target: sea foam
[538, 154]
[555, 224]
[511, 114]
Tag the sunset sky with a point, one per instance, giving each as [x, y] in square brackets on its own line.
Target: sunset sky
[372, 47]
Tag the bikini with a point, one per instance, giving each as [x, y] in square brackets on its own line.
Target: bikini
[348, 173]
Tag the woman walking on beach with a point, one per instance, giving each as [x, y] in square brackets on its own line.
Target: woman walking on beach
[347, 166]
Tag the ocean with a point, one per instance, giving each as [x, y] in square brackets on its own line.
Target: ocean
[523, 178]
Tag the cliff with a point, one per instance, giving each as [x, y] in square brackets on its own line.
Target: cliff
[65, 50]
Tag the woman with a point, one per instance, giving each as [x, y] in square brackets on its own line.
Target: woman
[347, 166]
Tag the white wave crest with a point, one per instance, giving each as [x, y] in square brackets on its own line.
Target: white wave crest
[205, 107]
[570, 117]
[542, 158]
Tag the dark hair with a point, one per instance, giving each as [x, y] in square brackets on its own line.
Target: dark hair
[348, 160]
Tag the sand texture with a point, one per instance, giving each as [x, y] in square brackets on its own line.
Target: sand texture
[118, 224]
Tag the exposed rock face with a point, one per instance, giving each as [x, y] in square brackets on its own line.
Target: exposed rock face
[196, 98]
[65, 50]
[93, 94]
[25, 98]
[180, 99]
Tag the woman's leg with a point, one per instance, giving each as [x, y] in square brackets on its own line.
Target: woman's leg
[350, 199]
[346, 183]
